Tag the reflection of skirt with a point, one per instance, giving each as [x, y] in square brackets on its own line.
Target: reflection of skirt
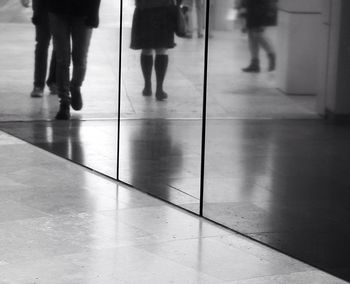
[153, 28]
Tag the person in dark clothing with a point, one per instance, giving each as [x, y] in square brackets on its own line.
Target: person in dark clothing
[71, 23]
[42, 37]
[258, 15]
[153, 30]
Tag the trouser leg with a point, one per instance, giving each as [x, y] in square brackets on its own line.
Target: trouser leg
[81, 37]
[61, 31]
[42, 38]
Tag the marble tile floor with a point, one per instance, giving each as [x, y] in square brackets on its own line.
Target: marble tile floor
[61, 223]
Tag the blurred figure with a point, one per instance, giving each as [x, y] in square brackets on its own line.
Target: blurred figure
[258, 15]
[71, 24]
[187, 6]
[42, 37]
[153, 30]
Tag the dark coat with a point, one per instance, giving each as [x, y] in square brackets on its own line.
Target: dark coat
[40, 12]
[260, 13]
[88, 9]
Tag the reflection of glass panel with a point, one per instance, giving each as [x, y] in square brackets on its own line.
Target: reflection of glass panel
[270, 173]
[160, 140]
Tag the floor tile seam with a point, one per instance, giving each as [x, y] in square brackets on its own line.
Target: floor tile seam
[179, 263]
[90, 250]
[322, 273]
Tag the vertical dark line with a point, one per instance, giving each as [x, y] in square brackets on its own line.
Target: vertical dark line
[119, 81]
[204, 115]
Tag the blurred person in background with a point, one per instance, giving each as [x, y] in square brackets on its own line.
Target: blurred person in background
[188, 8]
[42, 37]
[258, 15]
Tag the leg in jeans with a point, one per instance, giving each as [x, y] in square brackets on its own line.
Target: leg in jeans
[81, 36]
[51, 80]
[42, 37]
[61, 29]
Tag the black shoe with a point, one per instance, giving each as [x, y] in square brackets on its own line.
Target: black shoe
[147, 91]
[64, 112]
[254, 67]
[76, 99]
[161, 95]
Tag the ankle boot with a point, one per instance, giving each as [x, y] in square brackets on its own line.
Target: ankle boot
[64, 111]
[253, 67]
[146, 67]
[160, 66]
[272, 61]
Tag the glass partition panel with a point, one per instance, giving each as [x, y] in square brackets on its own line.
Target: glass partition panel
[274, 171]
[162, 101]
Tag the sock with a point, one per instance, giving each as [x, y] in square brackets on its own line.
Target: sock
[146, 67]
[160, 66]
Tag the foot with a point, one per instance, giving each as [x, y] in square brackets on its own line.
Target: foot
[254, 67]
[147, 91]
[76, 99]
[64, 112]
[161, 95]
[37, 92]
[53, 89]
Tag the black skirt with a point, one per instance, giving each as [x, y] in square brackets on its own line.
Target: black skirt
[153, 28]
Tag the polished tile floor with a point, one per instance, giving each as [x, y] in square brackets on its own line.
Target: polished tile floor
[281, 182]
[61, 223]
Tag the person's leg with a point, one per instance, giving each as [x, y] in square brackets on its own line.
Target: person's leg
[200, 17]
[146, 61]
[81, 37]
[160, 66]
[60, 27]
[42, 38]
[253, 39]
[51, 80]
[266, 44]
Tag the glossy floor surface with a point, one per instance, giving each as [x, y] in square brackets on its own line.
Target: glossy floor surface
[281, 182]
[61, 223]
